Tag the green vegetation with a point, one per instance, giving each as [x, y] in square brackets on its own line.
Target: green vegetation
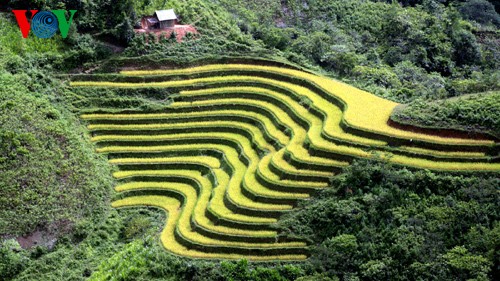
[384, 223]
[473, 113]
[138, 142]
[48, 169]
[401, 53]
[287, 174]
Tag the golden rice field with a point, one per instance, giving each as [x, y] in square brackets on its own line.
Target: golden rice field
[239, 145]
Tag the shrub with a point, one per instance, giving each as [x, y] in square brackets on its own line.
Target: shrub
[418, 83]
[382, 76]
[341, 61]
[12, 258]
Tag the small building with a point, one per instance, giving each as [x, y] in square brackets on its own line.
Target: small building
[161, 20]
[150, 23]
[166, 18]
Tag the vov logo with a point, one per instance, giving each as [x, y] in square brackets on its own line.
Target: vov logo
[44, 24]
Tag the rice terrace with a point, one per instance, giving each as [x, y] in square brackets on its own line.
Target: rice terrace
[255, 140]
[237, 145]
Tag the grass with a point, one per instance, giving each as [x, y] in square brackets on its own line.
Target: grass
[470, 113]
[237, 114]
[185, 229]
[256, 130]
[267, 123]
[174, 210]
[233, 191]
[198, 214]
[257, 134]
[358, 103]
[332, 114]
[458, 154]
[216, 204]
[245, 174]
[299, 134]
[319, 142]
[331, 126]
[240, 140]
[211, 162]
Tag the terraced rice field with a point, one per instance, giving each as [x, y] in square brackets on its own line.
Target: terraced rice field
[239, 145]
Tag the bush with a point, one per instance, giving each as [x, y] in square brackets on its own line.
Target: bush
[12, 259]
[478, 112]
[388, 223]
[275, 37]
[418, 83]
[137, 225]
[382, 76]
[476, 83]
[467, 265]
[340, 60]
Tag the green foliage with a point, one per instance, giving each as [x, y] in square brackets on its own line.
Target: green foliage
[129, 263]
[145, 260]
[12, 42]
[192, 48]
[48, 173]
[341, 61]
[411, 224]
[135, 226]
[381, 76]
[375, 223]
[370, 40]
[466, 48]
[414, 35]
[467, 265]
[418, 83]
[12, 258]
[74, 258]
[317, 277]
[481, 11]
[477, 112]
[241, 271]
[338, 255]
[219, 33]
[275, 37]
[208, 17]
[476, 82]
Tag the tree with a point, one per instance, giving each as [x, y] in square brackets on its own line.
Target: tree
[339, 254]
[340, 59]
[481, 11]
[467, 265]
[466, 50]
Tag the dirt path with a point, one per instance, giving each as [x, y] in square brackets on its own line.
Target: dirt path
[180, 31]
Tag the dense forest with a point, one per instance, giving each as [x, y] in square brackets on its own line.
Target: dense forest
[376, 221]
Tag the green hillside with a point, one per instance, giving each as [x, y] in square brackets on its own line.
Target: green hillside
[474, 113]
[287, 140]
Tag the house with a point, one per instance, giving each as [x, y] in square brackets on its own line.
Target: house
[149, 23]
[167, 18]
[164, 24]
[161, 20]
